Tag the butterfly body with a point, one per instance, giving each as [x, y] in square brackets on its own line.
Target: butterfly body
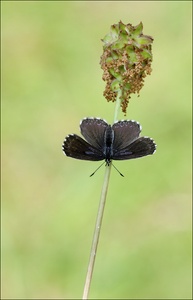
[120, 141]
[108, 144]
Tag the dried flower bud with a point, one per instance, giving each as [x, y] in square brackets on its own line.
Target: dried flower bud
[126, 61]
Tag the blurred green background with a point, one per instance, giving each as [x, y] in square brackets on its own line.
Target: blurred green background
[51, 79]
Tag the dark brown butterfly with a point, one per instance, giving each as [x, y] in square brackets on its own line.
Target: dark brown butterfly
[120, 141]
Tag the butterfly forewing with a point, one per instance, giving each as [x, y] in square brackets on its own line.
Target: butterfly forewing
[141, 147]
[74, 146]
[93, 131]
[125, 132]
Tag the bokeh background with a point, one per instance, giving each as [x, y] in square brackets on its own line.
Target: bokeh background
[51, 79]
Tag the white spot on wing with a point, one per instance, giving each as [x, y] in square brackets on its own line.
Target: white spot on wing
[133, 121]
[92, 118]
[69, 135]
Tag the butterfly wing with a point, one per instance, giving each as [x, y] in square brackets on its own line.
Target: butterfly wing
[93, 130]
[141, 147]
[125, 132]
[74, 146]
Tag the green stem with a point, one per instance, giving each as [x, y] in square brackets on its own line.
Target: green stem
[96, 232]
[99, 217]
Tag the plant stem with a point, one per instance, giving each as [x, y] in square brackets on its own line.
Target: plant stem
[99, 216]
[96, 232]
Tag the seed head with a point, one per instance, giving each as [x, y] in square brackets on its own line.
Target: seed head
[126, 61]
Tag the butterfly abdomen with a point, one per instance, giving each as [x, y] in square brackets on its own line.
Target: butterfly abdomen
[108, 144]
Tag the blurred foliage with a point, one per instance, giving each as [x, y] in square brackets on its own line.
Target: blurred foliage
[51, 79]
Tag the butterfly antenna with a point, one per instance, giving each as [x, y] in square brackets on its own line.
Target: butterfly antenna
[118, 171]
[97, 169]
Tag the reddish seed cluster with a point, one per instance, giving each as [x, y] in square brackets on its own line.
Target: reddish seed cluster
[126, 65]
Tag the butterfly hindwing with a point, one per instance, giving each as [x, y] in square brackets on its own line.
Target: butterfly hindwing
[125, 132]
[93, 130]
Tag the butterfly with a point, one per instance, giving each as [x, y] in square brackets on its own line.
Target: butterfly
[120, 141]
